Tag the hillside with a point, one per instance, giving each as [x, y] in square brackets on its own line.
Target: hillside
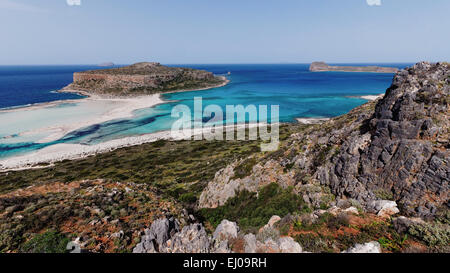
[142, 79]
[396, 147]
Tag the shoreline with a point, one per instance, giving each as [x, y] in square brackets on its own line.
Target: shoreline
[88, 96]
[50, 155]
[58, 152]
[225, 82]
[126, 107]
[86, 93]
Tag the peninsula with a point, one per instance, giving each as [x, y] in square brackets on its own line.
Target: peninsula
[323, 67]
[142, 79]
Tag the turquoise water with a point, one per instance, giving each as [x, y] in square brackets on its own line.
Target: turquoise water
[298, 92]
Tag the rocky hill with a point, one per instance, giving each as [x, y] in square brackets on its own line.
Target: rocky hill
[322, 67]
[396, 148]
[142, 79]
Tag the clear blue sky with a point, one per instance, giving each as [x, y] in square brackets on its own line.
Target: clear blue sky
[223, 31]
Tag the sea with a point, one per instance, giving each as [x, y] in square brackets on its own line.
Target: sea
[298, 92]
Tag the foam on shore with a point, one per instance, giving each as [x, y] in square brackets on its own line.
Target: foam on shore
[369, 97]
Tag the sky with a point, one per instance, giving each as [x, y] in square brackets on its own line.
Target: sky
[231, 31]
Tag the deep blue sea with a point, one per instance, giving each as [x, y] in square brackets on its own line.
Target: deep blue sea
[298, 92]
[23, 85]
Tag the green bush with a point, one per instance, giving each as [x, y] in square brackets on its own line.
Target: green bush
[244, 169]
[313, 243]
[48, 242]
[252, 212]
[384, 194]
[433, 234]
[188, 198]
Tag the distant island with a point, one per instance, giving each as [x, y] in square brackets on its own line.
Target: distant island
[107, 64]
[144, 78]
[323, 67]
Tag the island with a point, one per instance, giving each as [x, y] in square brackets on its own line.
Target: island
[144, 78]
[107, 64]
[323, 67]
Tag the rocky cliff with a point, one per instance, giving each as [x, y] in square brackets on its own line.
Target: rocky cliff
[141, 79]
[396, 148]
[322, 67]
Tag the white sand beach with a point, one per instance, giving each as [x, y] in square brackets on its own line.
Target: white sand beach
[38, 124]
[59, 152]
[33, 123]
[116, 109]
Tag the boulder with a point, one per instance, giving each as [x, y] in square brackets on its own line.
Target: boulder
[402, 223]
[226, 230]
[273, 220]
[288, 245]
[157, 235]
[250, 244]
[371, 247]
[269, 246]
[352, 210]
[384, 208]
[145, 246]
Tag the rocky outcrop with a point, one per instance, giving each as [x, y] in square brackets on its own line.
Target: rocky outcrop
[402, 149]
[225, 184]
[227, 238]
[141, 79]
[322, 67]
[157, 235]
[192, 239]
[393, 149]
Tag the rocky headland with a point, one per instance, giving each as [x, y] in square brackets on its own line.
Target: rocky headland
[323, 67]
[142, 79]
[393, 148]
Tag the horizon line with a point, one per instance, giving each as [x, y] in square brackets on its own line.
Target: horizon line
[221, 63]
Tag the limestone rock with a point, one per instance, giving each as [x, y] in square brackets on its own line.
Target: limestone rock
[402, 223]
[288, 245]
[273, 220]
[371, 247]
[192, 239]
[250, 245]
[225, 186]
[157, 235]
[384, 208]
[226, 230]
